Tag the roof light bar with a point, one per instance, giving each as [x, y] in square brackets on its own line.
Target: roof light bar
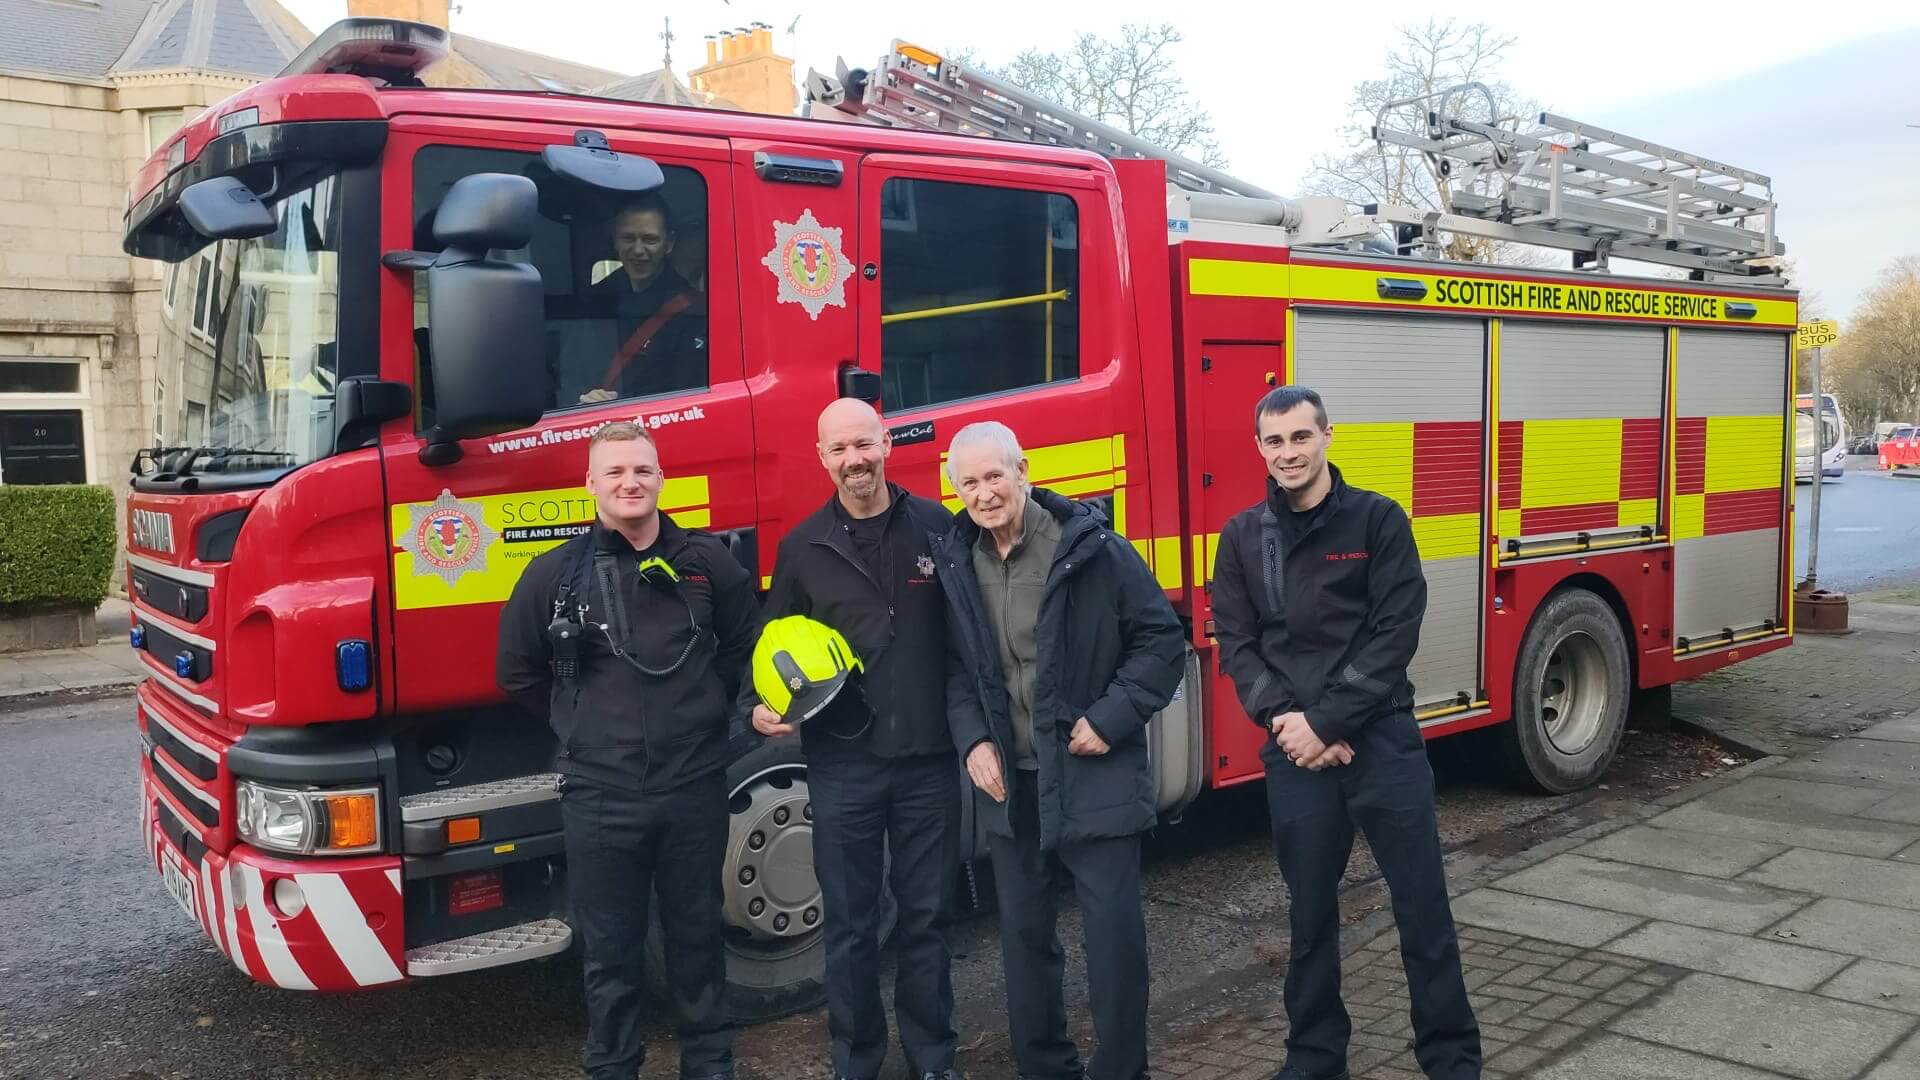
[390, 51]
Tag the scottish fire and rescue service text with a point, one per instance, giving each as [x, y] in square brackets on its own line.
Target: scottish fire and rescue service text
[1573, 299]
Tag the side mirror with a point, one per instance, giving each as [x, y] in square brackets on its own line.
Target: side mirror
[487, 316]
[591, 162]
[224, 208]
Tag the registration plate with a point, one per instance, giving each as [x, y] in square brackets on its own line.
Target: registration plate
[178, 884]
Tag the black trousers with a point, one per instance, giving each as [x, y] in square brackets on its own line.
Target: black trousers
[621, 847]
[1106, 878]
[865, 809]
[1388, 792]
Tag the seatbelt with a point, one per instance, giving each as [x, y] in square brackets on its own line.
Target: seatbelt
[642, 336]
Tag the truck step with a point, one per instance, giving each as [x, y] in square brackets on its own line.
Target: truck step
[479, 798]
[507, 945]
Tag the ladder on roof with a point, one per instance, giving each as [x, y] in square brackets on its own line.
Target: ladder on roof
[915, 88]
[1576, 186]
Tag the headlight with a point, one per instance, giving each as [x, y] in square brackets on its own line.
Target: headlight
[310, 821]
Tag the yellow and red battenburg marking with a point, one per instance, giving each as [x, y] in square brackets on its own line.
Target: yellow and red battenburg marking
[1578, 475]
[1726, 475]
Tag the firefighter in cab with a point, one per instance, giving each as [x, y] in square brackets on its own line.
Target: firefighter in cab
[632, 641]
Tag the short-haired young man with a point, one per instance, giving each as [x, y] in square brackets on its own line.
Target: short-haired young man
[1317, 602]
[632, 640]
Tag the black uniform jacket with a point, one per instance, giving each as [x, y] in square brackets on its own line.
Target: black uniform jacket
[617, 725]
[895, 619]
[1110, 648]
[1321, 619]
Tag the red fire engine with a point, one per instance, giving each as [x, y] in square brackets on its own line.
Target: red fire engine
[381, 311]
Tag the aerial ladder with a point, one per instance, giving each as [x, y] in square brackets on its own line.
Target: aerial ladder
[1560, 184]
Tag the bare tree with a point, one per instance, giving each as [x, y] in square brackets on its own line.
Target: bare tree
[1878, 361]
[1129, 81]
[1425, 59]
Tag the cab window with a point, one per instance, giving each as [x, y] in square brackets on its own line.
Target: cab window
[625, 278]
[979, 292]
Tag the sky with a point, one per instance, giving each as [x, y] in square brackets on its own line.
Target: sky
[1819, 98]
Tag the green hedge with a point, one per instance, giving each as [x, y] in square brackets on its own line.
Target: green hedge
[56, 545]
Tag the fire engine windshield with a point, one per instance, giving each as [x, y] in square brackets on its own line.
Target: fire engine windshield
[247, 353]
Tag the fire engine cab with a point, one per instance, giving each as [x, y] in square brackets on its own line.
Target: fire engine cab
[398, 313]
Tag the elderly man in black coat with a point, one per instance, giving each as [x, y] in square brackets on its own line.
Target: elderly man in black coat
[1069, 649]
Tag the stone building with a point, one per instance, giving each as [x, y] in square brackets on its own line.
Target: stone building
[88, 88]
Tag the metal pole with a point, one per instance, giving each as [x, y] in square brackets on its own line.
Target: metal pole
[1819, 452]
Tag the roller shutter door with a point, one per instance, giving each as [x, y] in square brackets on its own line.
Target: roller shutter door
[1406, 395]
[1729, 473]
[1581, 429]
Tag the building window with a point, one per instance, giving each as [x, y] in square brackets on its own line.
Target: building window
[42, 421]
[39, 377]
[161, 126]
[979, 292]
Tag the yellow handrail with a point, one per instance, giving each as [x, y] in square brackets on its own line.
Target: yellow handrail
[1721, 643]
[1447, 710]
[1594, 545]
[983, 305]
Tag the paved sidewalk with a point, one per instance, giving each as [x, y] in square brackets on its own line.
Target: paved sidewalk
[1764, 924]
[110, 663]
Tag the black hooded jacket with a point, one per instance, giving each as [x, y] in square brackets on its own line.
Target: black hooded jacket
[617, 725]
[1320, 612]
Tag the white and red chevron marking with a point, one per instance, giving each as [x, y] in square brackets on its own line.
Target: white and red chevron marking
[349, 935]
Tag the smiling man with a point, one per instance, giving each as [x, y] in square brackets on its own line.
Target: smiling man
[880, 764]
[660, 320]
[1317, 602]
[632, 641]
[1069, 648]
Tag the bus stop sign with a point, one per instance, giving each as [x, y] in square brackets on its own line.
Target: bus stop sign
[1814, 335]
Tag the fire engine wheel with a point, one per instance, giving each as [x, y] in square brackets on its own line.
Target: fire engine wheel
[1571, 689]
[776, 954]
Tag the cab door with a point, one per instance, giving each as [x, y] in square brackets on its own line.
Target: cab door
[462, 532]
[992, 291]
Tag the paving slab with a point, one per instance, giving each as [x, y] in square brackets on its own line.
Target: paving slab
[1878, 983]
[1779, 824]
[1902, 1064]
[1832, 873]
[1673, 849]
[1766, 1027]
[1799, 794]
[1848, 926]
[1694, 899]
[1851, 774]
[1775, 962]
[1549, 920]
[1618, 1058]
[1899, 729]
[1903, 807]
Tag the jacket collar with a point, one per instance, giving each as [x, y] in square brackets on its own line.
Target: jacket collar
[672, 538]
[1277, 501]
[824, 525]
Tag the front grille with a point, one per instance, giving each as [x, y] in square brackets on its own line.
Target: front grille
[175, 598]
[165, 646]
[177, 831]
[182, 753]
[189, 797]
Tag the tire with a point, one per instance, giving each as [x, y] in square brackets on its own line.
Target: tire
[1571, 688]
[771, 971]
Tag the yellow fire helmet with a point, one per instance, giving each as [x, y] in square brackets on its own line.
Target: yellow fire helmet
[800, 665]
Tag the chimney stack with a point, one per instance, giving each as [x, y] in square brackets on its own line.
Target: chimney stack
[431, 12]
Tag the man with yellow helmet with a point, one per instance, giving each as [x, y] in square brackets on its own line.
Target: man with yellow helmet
[881, 767]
